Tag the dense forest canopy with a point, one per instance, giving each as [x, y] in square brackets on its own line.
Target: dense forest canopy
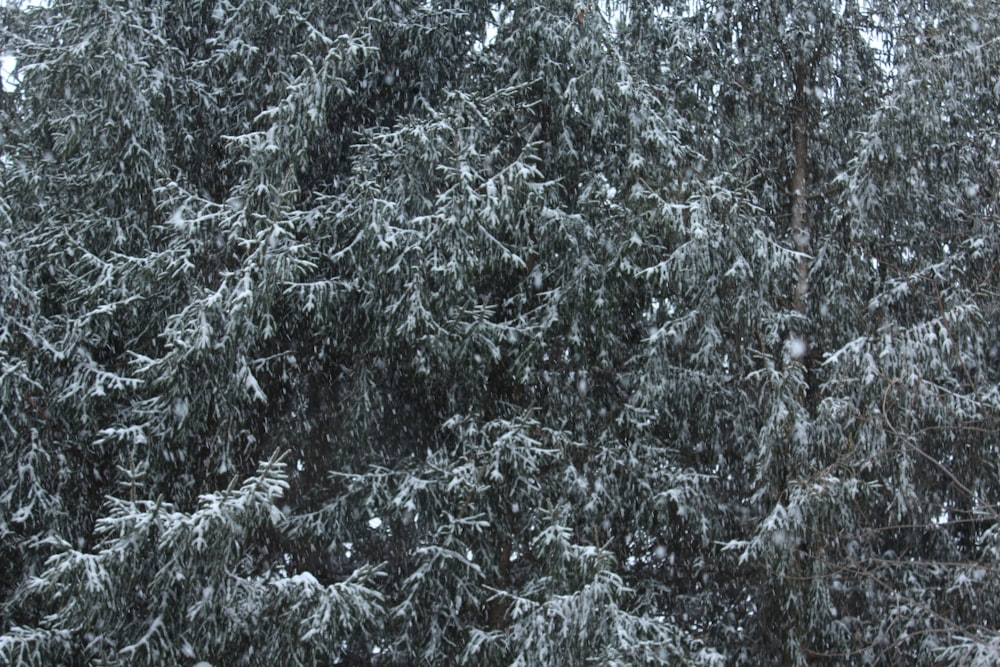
[531, 333]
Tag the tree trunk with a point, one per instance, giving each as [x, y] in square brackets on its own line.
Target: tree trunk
[801, 236]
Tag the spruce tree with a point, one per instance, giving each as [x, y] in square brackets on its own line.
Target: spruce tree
[808, 310]
[534, 333]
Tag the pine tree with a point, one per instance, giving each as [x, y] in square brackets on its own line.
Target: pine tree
[418, 280]
[921, 202]
[490, 327]
[534, 333]
[775, 297]
[800, 358]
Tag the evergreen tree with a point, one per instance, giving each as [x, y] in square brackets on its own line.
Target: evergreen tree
[534, 333]
[781, 357]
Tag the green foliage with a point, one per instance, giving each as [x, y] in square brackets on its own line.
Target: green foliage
[191, 585]
[589, 333]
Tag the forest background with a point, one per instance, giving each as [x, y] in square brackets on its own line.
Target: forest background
[529, 333]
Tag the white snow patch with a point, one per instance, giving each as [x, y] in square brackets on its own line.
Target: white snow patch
[181, 409]
[7, 65]
[797, 347]
[177, 219]
[254, 387]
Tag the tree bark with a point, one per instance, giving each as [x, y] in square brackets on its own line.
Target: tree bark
[497, 607]
[801, 233]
